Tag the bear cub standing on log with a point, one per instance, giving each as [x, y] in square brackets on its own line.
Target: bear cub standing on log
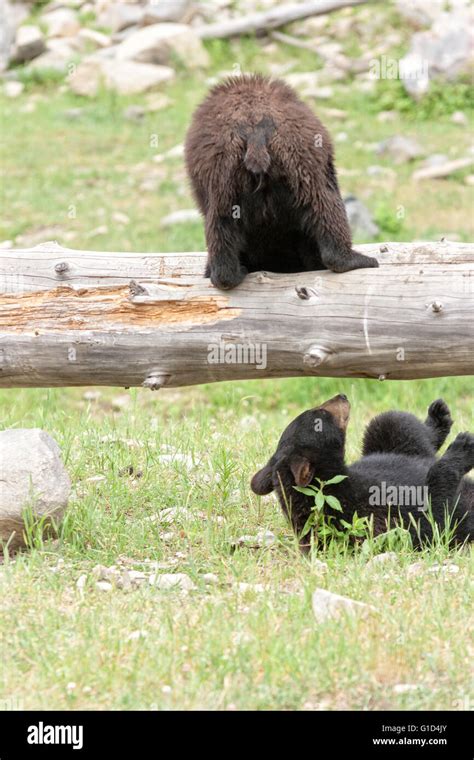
[398, 454]
[262, 172]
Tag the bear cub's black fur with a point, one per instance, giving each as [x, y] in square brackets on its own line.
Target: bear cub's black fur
[398, 451]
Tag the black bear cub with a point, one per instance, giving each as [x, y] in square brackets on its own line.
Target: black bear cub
[399, 458]
[262, 171]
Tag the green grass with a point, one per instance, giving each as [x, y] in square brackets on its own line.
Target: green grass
[219, 646]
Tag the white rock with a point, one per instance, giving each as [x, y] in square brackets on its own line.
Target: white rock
[400, 149]
[459, 117]
[382, 559]
[33, 477]
[303, 81]
[415, 569]
[262, 538]
[448, 569]
[321, 567]
[54, 60]
[446, 50]
[104, 586]
[180, 217]
[125, 77]
[210, 578]
[7, 33]
[91, 395]
[177, 151]
[62, 22]
[136, 635]
[29, 43]
[176, 10]
[166, 581]
[258, 588]
[160, 43]
[13, 89]
[360, 218]
[136, 576]
[95, 38]
[121, 218]
[403, 688]
[81, 581]
[119, 16]
[327, 605]
[386, 116]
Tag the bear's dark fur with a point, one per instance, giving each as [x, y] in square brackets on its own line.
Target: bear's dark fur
[398, 450]
[262, 171]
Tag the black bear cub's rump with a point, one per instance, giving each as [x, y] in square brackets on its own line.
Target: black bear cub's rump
[262, 171]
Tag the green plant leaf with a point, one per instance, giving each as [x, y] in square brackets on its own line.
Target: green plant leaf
[319, 500]
[334, 503]
[307, 526]
[309, 491]
[335, 479]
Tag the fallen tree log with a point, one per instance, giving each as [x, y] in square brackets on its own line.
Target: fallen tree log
[263, 21]
[129, 319]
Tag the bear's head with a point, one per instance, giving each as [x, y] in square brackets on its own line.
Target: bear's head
[312, 446]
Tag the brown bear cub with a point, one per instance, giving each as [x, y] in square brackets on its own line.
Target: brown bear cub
[262, 171]
[399, 457]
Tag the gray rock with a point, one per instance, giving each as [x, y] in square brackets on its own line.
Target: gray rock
[13, 89]
[400, 149]
[423, 13]
[119, 16]
[437, 159]
[360, 218]
[92, 37]
[386, 558]
[62, 22]
[459, 117]
[32, 477]
[11, 16]
[446, 51]
[160, 43]
[166, 10]
[125, 77]
[327, 605]
[172, 581]
[29, 43]
[134, 113]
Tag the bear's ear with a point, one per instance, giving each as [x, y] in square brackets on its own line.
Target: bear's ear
[261, 482]
[303, 470]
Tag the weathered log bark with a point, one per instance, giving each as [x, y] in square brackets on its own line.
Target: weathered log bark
[85, 318]
[274, 18]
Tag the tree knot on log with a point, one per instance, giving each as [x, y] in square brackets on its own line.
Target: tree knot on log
[136, 289]
[316, 355]
[61, 267]
[305, 293]
[436, 306]
[156, 381]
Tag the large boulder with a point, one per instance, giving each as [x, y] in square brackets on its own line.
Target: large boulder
[120, 16]
[11, 16]
[62, 22]
[33, 480]
[29, 43]
[178, 10]
[125, 77]
[446, 51]
[161, 43]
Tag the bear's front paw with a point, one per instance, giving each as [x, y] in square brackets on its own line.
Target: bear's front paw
[226, 278]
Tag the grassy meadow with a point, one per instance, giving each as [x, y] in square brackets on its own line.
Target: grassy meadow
[244, 637]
